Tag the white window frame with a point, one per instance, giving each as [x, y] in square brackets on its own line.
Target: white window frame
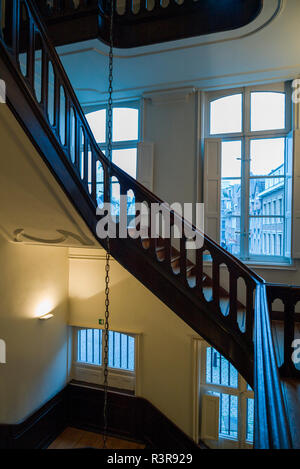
[90, 373]
[245, 136]
[121, 145]
[202, 388]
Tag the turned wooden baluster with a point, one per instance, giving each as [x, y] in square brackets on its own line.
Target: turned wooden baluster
[250, 286]
[56, 101]
[143, 6]
[183, 254]
[45, 78]
[93, 173]
[122, 231]
[77, 144]
[128, 7]
[216, 281]
[199, 270]
[288, 367]
[233, 297]
[168, 245]
[68, 126]
[85, 159]
[30, 54]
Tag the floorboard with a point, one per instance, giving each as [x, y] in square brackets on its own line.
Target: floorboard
[74, 438]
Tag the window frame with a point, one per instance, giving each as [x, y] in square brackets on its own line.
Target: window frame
[94, 374]
[242, 392]
[245, 136]
[124, 144]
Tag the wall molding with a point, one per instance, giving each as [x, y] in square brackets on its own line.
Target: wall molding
[177, 95]
[20, 236]
[97, 254]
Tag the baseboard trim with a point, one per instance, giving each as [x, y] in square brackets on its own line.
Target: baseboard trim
[130, 417]
[38, 430]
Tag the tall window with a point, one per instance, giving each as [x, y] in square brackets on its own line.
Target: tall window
[125, 136]
[253, 125]
[220, 380]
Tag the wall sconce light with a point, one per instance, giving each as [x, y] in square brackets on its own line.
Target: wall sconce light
[45, 317]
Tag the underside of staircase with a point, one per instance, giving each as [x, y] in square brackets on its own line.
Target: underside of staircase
[241, 331]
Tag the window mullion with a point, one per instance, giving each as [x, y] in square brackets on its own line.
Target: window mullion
[103, 351]
[244, 195]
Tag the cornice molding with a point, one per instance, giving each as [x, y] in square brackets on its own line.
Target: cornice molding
[176, 95]
[289, 72]
[98, 254]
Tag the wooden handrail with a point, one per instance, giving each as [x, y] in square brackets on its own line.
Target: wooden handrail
[271, 428]
[55, 105]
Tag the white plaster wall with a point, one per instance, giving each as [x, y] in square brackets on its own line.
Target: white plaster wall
[166, 352]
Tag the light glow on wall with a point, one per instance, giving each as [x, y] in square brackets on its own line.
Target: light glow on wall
[44, 308]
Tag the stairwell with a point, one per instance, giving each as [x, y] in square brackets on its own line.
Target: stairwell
[241, 332]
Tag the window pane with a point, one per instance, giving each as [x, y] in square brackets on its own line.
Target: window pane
[126, 160]
[228, 416]
[267, 196]
[218, 370]
[120, 351]
[231, 159]
[228, 411]
[230, 198]
[250, 420]
[89, 346]
[226, 115]
[97, 123]
[267, 111]
[230, 234]
[267, 156]
[266, 236]
[125, 124]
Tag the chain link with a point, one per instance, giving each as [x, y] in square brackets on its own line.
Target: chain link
[107, 265]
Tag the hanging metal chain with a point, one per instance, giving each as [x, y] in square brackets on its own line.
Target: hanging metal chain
[107, 265]
[106, 338]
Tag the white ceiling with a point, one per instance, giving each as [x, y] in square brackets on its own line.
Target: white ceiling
[266, 49]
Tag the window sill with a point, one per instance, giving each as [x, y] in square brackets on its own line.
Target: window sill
[85, 384]
[264, 266]
[271, 266]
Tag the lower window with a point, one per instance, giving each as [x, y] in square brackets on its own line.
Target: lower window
[230, 424]
[89, 357]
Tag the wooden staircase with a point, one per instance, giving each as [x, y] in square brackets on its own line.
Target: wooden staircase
[57, 127]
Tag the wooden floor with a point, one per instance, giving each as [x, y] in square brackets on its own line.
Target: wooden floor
[73, 438]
